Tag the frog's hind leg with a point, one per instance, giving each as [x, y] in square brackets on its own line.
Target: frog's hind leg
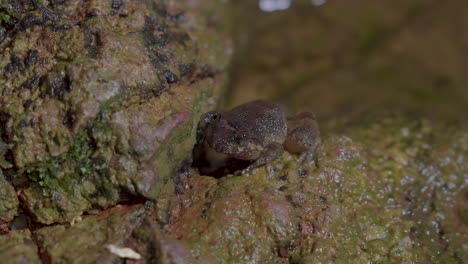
[272, 152]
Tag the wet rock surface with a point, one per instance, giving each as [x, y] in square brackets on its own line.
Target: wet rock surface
[381, 193]
[390, 191]
[87, 239]
[100, 100]
[19, 247]
[8, 203]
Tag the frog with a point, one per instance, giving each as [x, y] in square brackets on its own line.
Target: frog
[252, 135]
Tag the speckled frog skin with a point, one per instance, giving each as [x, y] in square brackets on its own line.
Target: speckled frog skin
[251, 135]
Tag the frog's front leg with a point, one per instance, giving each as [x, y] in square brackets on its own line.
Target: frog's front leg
[271, 153]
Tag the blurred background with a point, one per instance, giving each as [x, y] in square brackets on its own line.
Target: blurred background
[350, 60]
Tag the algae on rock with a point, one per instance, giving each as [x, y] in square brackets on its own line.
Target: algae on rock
[8, 201]
[391, 191]
[100, 101]
[19, 247]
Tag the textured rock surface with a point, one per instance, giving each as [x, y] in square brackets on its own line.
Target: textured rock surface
[8, 203]
[18, 247]
[86, 241]
[99, 100]
[391, 191]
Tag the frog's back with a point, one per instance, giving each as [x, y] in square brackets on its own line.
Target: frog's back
[264, 120]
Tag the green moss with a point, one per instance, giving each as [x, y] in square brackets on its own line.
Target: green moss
[45, 173]
[4, 17]
[60, 172]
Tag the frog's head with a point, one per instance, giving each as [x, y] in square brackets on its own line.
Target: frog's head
[206, 121]
[218, 132]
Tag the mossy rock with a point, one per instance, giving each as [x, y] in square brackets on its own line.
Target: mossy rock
[19, 247]
[8, 202]
[100, 101]
[392, 191]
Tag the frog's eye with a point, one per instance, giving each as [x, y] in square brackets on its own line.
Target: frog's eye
[215, 117]
[211, 117]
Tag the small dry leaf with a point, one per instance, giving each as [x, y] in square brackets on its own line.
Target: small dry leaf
[123, 252]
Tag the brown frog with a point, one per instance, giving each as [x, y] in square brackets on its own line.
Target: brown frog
[251, 135]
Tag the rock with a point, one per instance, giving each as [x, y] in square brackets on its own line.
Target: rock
[385, 186]
[8, 202]
[86, 240]
[18, 247]
[376, 192]
[102, 100]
